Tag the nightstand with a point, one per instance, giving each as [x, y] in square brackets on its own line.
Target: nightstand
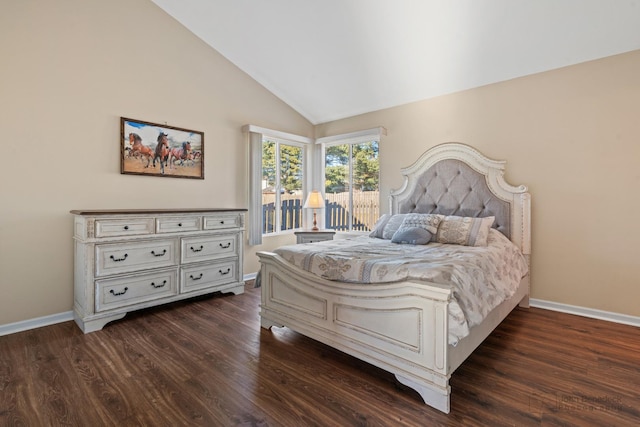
[310, 236]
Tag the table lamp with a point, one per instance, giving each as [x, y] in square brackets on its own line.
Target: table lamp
[314, 201]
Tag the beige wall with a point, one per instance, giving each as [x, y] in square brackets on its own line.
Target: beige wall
[573, 136]
[68, 71]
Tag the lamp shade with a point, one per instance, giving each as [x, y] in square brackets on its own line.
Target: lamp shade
[314, 200]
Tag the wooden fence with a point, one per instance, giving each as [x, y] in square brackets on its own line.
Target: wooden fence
[366, 210]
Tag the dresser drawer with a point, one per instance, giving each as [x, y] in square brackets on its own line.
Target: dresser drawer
[208, 275]
[222, 221]
[310, 236]
[123, 227]
[195, 249]
[177, 224]
[129, 290]
[127, 257]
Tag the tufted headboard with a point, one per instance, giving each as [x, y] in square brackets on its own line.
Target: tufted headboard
[456, 179]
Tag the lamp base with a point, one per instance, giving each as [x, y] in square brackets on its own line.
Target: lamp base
[315, 223]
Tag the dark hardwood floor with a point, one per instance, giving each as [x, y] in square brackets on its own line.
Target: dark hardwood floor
[207, 362]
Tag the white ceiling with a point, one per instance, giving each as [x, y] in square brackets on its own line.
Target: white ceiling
[331, 59]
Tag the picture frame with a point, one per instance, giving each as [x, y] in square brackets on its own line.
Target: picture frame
[154, 149]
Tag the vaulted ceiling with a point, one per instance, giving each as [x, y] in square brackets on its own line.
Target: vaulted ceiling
[331, 59]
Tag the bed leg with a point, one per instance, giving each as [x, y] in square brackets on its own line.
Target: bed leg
[267, 324]
[524, 302]
[433, 397]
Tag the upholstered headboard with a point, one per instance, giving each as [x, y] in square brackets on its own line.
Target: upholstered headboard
[455, 179]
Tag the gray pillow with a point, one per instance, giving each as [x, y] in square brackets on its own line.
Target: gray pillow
[412, 236]
[378, 228]
[392, 225]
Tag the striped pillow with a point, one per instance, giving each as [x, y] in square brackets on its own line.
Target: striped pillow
[465, 231]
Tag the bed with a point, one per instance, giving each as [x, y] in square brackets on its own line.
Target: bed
[404, 325]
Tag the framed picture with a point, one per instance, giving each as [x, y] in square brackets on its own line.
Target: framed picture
[160, 150]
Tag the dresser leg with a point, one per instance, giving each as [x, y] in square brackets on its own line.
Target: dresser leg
[236, 290]
[88, 326]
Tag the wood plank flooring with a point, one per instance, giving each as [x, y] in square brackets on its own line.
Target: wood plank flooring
[207, 362]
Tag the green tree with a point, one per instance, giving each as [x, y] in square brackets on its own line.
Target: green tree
[269, 162]
[366, 169]
[336, 168]
[290, 158]
[290, 167]
[336, 178]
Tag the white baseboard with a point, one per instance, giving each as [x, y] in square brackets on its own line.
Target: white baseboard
[249, 276]
[609, 316]
[586, 312]
[39, 322]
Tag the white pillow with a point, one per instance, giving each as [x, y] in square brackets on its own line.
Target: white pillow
[429, 222]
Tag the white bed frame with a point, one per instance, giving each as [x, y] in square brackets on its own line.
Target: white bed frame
[399, 327]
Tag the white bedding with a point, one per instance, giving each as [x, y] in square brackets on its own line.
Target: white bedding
[480, 277]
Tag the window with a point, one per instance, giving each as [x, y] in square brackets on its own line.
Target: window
[282, 189]
[351, 180]
[284, 167]
[278, 181]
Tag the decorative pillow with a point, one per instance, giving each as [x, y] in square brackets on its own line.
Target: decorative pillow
[465, 231]
[427, 221]
[392, 226]
[412, 236]
[417, 229]
[378, 228]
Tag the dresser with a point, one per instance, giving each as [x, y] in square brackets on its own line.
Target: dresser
[125, 260]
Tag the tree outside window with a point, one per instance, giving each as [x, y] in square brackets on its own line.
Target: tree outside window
[352, 186]
[282, 196]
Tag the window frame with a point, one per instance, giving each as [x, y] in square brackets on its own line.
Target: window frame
[350, 139]
[278, 187]
[313, 171]
[256, 135]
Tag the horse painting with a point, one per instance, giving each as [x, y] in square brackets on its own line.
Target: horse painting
[161, 152]
[139, 149]
[179, 153]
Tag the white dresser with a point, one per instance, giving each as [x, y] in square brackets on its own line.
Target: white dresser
[131, 259]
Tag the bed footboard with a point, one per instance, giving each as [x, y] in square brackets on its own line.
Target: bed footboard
[399, 327]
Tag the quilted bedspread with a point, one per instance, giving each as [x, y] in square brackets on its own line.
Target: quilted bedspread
[480, 277]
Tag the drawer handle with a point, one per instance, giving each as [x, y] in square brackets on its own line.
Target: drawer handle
[228, 245]
[162, 254]
[158, 286]
[225, 272]
[119, 259]
[195, 278]
[197, 250]
[179, 224]
[126, 227]
[221, 222]
[119, 293]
